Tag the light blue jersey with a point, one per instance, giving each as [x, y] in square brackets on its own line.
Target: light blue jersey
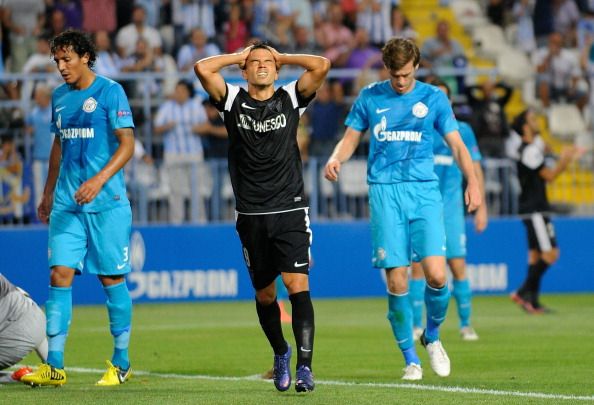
[402, 128]
[450, 176]
[85, 120]
[450, 185]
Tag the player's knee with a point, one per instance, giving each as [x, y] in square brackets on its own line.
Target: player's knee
[266, 296]
[436, 280]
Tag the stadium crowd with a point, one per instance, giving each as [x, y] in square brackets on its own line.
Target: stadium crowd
[180, 130]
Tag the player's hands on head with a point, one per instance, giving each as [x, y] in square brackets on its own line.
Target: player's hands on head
[243, 56]
[332, 169]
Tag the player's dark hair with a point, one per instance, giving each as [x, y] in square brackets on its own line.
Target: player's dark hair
[80, 43]
[397, 52]
[520, 121]
[438, 82]
[262, 45]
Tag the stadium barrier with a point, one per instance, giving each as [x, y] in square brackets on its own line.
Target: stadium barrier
[204, 263]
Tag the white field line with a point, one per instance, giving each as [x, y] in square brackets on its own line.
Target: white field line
[418, 387]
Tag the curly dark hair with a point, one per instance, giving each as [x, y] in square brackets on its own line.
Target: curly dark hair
[397, 52]
[80, 42]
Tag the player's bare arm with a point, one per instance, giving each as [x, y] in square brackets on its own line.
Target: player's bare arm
[45, 206]
[316, 69]
[208, 71]
[342, 152]
[472, 195]
[90, 188]
[481, 217]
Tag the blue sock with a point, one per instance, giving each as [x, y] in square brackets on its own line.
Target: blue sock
[119, 308]
[416, 294]
[436, 300]
[463, 295]
[400, 317]
[58, 309]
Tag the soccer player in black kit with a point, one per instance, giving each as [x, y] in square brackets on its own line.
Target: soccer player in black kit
[534, 206]
[266, 175]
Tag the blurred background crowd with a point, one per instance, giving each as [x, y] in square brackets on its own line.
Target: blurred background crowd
[498, 56]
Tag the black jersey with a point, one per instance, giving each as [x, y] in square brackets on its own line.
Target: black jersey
[264, 161]
[533, 197]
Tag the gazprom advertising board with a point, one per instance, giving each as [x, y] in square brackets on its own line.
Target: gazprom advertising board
[197, 263]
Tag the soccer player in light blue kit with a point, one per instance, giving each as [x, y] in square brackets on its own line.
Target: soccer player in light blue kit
[85, 202]
[450, 184]
[405, 203]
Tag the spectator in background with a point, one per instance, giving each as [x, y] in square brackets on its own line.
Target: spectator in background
[441, 50]
[128, 36]
[107, 62]
[489, 122]
[303, 41]
[363, 55]
[24, 21]
[400, 25]
[585, 28]
[522, 15]
[214, 133]
[335, 38]
[325, 116]
[39, 62]
[543, 21]
[71, 12]
[37, 123]
[56, 23]
[565, 19]
[13, 194]
[496, 11]
[236, 30]
[198, 48]
[188, 14]
[558, 74]
[374, 17]
[180, 121]
[99, 15]
[142, 60]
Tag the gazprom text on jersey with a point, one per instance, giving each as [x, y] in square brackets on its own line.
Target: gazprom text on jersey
[77, 133]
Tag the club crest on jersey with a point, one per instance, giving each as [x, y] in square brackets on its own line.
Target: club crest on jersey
[420, 110]
[90, 105]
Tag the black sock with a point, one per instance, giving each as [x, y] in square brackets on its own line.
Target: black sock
[531, 287]
[269, 316]
[303, 327]
[540, 268]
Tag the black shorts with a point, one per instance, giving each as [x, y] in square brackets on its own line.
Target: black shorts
[274, 243]
[541, 233]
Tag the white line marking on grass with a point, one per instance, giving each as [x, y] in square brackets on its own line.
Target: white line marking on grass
[419, 387]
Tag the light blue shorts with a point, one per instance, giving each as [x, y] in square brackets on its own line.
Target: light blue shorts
[98, 242]
[406, 218]
[453, 209]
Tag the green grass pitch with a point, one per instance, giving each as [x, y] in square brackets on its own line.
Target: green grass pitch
[212, 353]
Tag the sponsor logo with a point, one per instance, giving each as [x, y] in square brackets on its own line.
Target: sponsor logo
[176, 284]
[124, 113]
[381, 135]
[121, 266]
[300, 264]
[77, 133]
[271, 124]
[488, 276]
[304, 350]
[89, 105]
[420, 110]
[381, 110]
[244, 105]
[58, 109]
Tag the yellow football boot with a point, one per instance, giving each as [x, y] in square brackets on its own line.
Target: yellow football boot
[45, 375]
[114, 376]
